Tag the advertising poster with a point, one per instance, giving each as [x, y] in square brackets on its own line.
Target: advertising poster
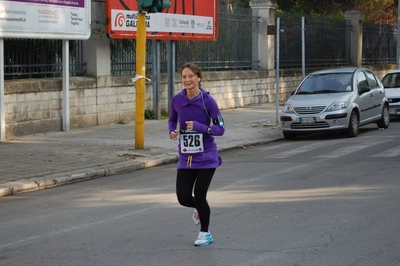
[184, 20]
[45, 19]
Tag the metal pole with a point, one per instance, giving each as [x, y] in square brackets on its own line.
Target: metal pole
[2, 107]
[303, 47]
[65, 85]
[278, 32]
[171, 70]
[155, 44]
[140, 83]
[398, 35]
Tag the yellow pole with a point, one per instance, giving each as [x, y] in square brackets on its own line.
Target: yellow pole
[140, 83]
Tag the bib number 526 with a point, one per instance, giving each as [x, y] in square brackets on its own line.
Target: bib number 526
[192, 143]
[191, 140]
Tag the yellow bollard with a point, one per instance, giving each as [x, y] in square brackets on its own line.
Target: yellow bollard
[140, 83]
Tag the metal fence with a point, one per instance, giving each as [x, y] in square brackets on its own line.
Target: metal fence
[234, 47]
[36, 58]
[379, 44]
[231, 51]
[327, 42]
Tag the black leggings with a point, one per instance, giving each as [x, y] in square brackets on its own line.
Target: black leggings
[200, 179]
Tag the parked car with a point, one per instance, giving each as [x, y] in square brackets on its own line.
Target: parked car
[391, 82]
[338, 99]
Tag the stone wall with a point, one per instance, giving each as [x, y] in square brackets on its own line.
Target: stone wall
[35, 105]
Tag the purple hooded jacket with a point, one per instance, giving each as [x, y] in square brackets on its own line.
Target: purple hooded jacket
[202, 110]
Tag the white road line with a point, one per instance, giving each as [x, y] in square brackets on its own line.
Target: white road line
[299, 150]
[393, 152]
[347, 150]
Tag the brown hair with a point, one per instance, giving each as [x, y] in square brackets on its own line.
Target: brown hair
[195, 68]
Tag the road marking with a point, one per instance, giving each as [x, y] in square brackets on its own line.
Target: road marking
[393, 152]
[347, 150]
[300, 150]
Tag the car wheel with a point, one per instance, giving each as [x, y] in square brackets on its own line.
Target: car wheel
[289, 135]
[385, 119]
[352, 130]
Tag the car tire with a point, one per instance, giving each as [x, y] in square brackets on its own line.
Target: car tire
[354, 125]
[385, 119]
[289, 135]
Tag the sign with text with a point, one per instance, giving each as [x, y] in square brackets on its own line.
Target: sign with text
[288, 29]
[45, 19]
[184, 20]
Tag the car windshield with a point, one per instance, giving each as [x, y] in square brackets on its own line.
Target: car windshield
[391, 81]
[326, 83]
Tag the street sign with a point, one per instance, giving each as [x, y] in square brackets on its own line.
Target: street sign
[288, 29]
[47, 19]
[184, 20]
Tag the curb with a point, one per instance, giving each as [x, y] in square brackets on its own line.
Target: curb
[61, 179]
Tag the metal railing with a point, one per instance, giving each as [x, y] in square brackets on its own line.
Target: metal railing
[231, 51]
[379, 44]
[36, 58]
[327, 42]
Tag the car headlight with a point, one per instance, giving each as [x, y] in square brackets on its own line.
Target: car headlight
[287, 108]
[336, 106]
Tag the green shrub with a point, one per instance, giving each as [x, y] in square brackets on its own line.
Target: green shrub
[149, 114]
[164, 113]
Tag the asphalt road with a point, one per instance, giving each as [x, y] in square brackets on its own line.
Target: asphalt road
[317, 200]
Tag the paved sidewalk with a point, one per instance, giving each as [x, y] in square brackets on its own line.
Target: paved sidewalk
[46, 160]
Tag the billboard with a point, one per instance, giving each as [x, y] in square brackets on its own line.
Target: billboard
[184, 20]
[45, 19]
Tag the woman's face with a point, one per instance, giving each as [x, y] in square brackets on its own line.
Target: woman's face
[189, 79]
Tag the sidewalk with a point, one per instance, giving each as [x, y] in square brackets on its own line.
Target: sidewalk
[46, 160]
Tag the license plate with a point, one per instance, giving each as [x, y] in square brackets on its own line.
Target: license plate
[307, 120]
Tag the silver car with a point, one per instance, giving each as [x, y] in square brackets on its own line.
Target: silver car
[339, 99]
[391, 82]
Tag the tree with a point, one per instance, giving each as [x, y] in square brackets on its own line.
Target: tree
[377, 11]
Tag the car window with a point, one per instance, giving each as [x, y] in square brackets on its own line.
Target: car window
[373, 83]
[391, 80]
[326, 83]
[361, 81]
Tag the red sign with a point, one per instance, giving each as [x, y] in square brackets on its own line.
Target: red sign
[184, 20]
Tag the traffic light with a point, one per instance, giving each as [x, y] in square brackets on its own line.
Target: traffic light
[160, 5]
[153, 6]
[144, 5]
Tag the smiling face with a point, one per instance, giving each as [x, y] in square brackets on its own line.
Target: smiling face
[189, 79]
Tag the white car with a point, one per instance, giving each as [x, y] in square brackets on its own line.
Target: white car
[339, 99]
[391, 82]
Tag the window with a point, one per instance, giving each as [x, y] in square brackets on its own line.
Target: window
[373, 83]
[362, 82]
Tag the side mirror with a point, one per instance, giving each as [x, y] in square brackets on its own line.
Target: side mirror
[364, 90]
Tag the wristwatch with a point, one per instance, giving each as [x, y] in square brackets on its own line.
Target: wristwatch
[209, 130]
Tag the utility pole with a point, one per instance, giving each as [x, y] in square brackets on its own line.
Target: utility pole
[398, 35]
[140, 83]
[144, 7]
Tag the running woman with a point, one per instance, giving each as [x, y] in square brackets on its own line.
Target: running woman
[194, 120]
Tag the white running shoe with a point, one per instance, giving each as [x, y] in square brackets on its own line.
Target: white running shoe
[203, 239]
[196, 217]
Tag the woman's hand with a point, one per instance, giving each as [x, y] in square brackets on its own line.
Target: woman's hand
[189, 125]
[173, 135]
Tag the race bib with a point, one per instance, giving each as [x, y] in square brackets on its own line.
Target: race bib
[191, 142]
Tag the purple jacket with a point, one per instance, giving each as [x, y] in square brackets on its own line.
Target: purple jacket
[203, 110]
